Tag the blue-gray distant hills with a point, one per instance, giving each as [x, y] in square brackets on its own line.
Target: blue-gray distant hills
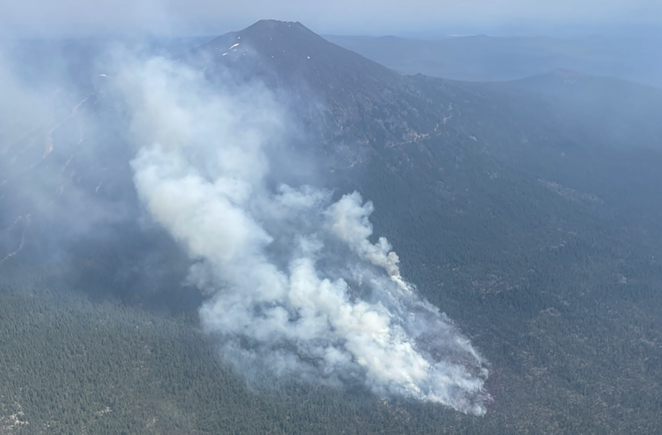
[480, 57]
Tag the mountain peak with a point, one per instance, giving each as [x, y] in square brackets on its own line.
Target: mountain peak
[274, 28]
[565, 73]
[271, 25]
[274, 36]
[288, 53]
[290, 43]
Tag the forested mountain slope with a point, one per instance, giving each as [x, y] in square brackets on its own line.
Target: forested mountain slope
[527, 211]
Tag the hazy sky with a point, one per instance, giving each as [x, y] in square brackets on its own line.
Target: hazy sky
[84, 17]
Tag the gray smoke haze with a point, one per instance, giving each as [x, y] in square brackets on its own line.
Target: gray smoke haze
[78, 17]
[33, 111]
[297, 286]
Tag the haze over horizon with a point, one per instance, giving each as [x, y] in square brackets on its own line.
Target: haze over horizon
[76, 18]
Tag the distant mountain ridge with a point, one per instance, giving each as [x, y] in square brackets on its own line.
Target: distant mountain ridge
[489, 58]
[361, 94]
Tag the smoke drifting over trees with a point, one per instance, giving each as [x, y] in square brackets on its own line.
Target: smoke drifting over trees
[298, 288]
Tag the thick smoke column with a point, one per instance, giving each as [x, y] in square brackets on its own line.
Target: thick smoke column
[297, 286]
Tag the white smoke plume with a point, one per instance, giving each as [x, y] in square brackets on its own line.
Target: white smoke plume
[297, 286]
